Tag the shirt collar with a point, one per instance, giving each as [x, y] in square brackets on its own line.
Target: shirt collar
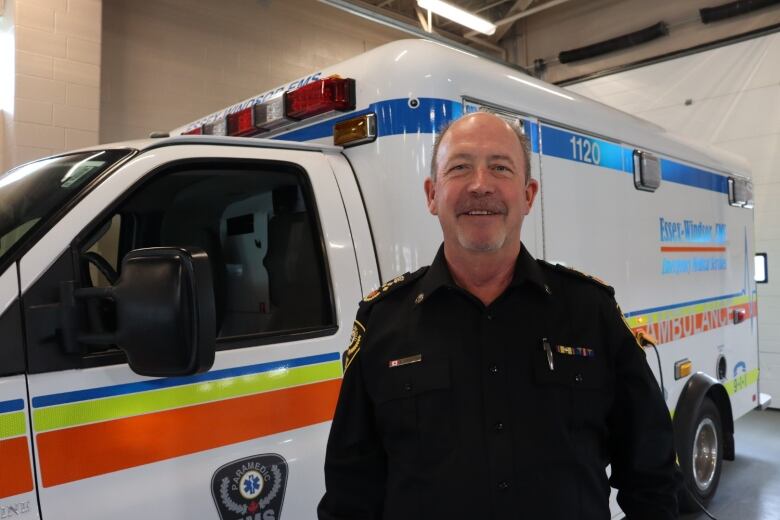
[526, 270]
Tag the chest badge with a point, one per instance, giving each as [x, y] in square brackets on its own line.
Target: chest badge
[251, 488]
[405, 361]
[575, 351]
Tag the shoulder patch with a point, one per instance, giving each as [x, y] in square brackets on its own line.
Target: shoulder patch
[364, 310]
[395, 283]
[358, 330]
[579, 274]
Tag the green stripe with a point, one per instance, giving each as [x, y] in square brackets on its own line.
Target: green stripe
[12, 425]
[741, 382]
[110, 408]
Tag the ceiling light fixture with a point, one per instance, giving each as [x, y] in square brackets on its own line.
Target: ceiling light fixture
[458, 15]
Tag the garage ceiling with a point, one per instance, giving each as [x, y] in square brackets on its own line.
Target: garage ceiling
[504, 13]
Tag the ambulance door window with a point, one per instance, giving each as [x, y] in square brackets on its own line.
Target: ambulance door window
[105, 249]
[261, 237]
[257, 224]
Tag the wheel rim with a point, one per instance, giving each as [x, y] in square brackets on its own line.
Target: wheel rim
[705, 454]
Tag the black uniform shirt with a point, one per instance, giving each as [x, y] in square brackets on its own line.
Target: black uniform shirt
[450, 409]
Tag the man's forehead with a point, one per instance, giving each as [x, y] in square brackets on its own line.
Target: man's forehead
[474, 140]
[464, 151]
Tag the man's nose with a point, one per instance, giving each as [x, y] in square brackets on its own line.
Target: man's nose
[481, 181]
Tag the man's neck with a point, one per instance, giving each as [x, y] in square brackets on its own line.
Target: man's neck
[485, 275]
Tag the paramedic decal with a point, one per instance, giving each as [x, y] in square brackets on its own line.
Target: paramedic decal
[251, 488]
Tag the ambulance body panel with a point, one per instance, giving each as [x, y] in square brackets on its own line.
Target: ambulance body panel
[246, 439]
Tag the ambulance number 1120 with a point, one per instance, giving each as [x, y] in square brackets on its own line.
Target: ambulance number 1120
[585, 150]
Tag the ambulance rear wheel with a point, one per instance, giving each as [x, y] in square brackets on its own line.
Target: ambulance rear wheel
[702, 460]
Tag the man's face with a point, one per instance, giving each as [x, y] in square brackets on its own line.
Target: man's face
[480, 194]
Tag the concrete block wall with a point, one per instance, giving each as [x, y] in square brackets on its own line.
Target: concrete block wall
[734, 94]
[176, 60]
[56, 78]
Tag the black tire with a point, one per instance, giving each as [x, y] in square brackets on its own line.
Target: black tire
[701, 460]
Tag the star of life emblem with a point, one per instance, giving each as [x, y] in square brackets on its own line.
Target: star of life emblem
[251, 488]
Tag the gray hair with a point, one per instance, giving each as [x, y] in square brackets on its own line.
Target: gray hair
[525, 144]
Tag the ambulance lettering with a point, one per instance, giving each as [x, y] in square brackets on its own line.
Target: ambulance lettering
[253, 101]
[740, 376]
[680, 321]
[692, 237]
[14, 510]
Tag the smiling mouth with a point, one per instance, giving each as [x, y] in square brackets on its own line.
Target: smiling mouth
[479, 213]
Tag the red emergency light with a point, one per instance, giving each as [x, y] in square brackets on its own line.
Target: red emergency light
[242, 122]
[198, 130]
[319, 97]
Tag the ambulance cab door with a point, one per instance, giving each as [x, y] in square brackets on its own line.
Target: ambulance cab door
[17, 486]
[247, 438]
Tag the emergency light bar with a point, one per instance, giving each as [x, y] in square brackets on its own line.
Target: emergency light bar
[320, 97]
[316, 98]
[218, 127]
[241, 122]
[270, 115]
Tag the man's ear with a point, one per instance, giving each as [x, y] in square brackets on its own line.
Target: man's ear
[430, 195]
[531, 190]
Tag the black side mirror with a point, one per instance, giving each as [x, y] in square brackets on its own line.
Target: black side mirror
[165, 319]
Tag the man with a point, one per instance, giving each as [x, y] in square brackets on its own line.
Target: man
[491, 385]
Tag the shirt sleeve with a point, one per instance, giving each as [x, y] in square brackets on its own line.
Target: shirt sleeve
[355, 461]
[641, 438]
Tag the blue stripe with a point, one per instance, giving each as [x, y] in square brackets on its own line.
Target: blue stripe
[532, 130]
[584, 149]
[157, 384]
[14, 405]
[628, 160]
[678, 305]
[396, 117]
[393, 117]
[558, 143]
[683, 174]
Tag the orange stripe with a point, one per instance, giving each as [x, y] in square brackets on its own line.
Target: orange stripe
[16, 475]
[93, 449]
[692, 249]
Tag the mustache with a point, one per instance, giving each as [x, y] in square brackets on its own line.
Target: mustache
[480, 204]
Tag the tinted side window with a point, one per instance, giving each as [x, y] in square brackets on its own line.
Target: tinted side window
[258, 225]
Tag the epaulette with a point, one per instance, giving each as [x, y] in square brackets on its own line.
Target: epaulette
[392, 285]
[359, 326]
[580, 275]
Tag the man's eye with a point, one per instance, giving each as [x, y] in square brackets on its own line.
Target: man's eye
[458, 167]
[502, 168]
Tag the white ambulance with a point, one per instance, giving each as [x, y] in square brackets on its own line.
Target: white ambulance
[121, 264]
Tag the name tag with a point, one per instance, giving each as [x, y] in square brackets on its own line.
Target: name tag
[405, 361]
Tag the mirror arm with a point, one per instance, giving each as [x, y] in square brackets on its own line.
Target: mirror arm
[73, 340]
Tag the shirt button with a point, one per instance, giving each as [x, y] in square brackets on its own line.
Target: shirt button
[493, 369]
[490, 316]
[578, 378]
[408, 387]
[499, 426]
[503, 485]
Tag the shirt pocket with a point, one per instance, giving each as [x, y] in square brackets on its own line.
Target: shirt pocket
[413, 406]
[577, 385]
[576, 372]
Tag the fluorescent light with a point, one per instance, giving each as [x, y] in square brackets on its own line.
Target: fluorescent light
[458, 15]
